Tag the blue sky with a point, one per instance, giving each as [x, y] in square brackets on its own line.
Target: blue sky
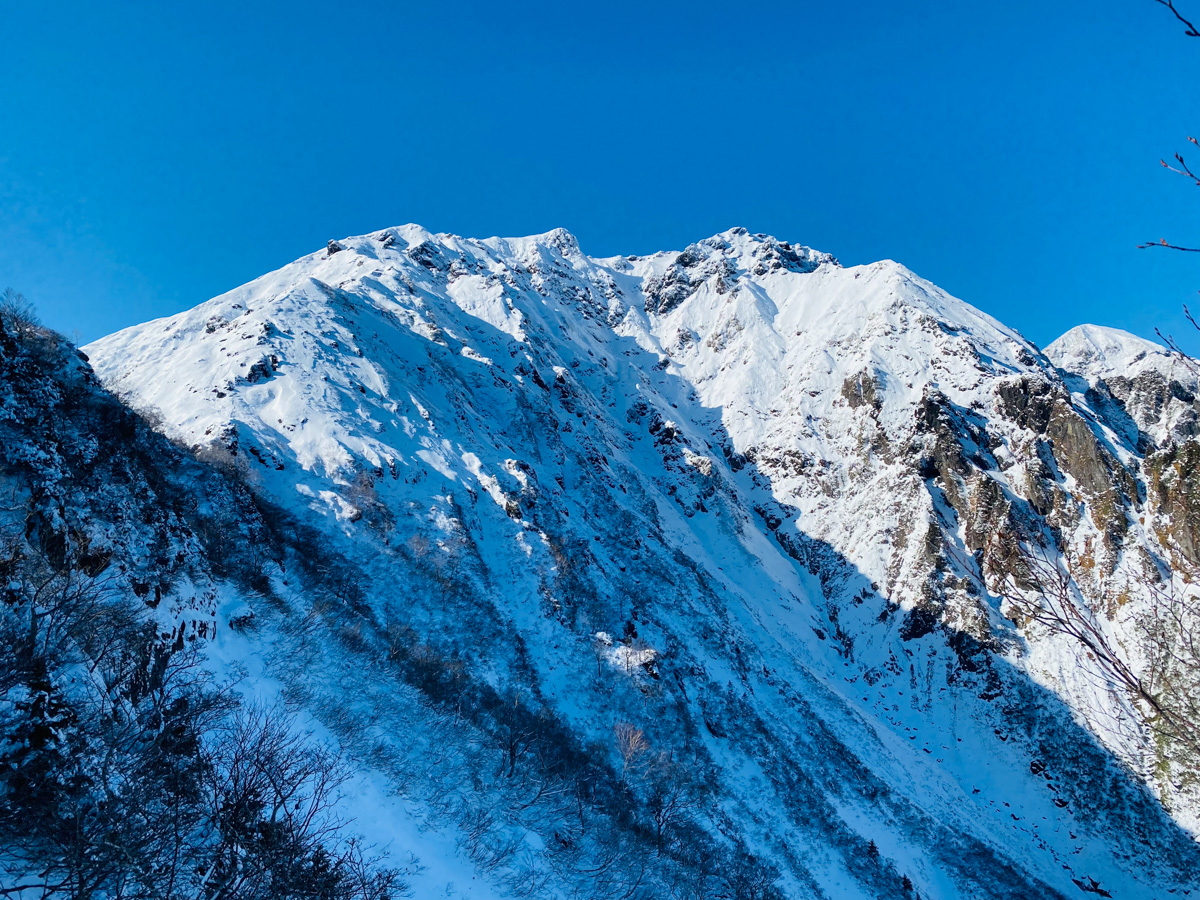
[154, 155]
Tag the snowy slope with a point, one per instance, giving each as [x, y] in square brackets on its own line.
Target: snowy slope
[159, 551]
[740, 497]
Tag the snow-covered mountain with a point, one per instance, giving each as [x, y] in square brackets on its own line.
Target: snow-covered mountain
[737, 526]
[1156, 387]
[1099, 352]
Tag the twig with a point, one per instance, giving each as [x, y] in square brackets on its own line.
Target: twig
[1183, 167]
[1162, 242]
[1192, 364]
[1191, 29]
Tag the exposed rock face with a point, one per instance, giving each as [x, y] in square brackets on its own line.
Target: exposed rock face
[1028, 402]
[794, 488]
[862, 390]
[1174, 486]
[1041, 407]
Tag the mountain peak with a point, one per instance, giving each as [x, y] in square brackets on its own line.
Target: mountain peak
[740, 241]
[1097, 351]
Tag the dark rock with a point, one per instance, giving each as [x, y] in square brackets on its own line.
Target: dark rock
[918, 623]
[862, 390]
[1174, 481]
[429, 255]
[1028, 401]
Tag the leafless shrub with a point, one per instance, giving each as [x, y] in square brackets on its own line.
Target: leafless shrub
[18, 314]
[134, 777]
[446, 565]
[1040, 588]
[632, 747]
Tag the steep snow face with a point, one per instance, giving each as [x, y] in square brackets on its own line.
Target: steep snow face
[781, 336]
[747, 499]
[818, 376]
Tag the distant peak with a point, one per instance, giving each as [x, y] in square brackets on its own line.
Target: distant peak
[773, 252]
[1100, 351]
[1101, 341]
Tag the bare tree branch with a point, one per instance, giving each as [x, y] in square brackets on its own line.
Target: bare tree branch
[1040, 587]
[1190, 362]
[1162, 242]
[1191, 29]
[1182, 168]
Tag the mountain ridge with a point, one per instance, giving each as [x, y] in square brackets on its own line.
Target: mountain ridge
[756, 467]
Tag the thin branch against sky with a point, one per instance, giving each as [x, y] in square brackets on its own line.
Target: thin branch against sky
[1191, 29]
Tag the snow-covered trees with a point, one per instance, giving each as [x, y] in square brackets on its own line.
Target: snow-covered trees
[126, 770]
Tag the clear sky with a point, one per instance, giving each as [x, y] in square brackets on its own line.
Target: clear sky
[155, 154]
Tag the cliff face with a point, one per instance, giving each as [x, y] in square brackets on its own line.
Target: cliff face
[785, 520]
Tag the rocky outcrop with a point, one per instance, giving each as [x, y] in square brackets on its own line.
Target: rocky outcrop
[1174, 488]
[862, 390]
